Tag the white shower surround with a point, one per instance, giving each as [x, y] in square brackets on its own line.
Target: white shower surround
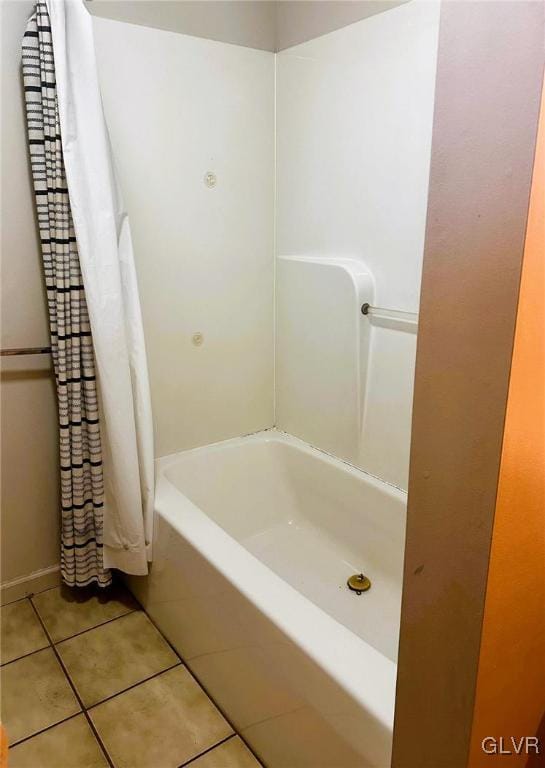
[232, 582]
[354, 126]
[352, 179]
[177, 107]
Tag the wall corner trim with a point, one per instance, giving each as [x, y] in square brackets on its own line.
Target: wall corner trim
[490, 65]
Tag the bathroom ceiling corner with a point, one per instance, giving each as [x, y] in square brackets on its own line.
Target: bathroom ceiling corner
[270, 25]
[300, 20]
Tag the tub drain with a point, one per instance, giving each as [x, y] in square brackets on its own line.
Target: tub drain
[358, 583]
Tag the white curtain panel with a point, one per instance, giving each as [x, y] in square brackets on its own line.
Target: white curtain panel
[107, 265]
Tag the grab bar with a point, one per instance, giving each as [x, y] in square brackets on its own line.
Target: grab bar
[25, 351]
[391, 317]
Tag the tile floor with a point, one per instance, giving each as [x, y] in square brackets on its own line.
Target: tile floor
[89, 682]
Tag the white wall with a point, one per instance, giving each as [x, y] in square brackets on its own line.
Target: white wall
[29, 452]
[177, 107]
[354, 122]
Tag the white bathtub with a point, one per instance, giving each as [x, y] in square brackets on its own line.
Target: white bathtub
[254, 540]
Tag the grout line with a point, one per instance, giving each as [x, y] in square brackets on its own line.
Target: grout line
[31, 653]
[17, 600]
[43, 730]
[97, 626]
[46, 589]
[81, 632]
[135, 685]
[24, 656]
[236, 732]
[76, 694]
[210, 749]
[85, 711]
[28, 594]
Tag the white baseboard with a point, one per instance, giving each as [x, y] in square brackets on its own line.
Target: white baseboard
[28, 585]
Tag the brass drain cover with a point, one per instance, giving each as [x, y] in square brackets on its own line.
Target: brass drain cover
[359, 583]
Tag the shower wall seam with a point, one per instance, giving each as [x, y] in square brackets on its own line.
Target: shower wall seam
[275, 223]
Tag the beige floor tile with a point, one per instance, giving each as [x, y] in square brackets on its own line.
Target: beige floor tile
[35, 695]
[232, 754]
[21, 631]
[65, 611]
[71, 744]
[110, 658]
[161, 723]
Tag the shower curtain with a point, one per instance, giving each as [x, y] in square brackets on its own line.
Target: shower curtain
[97, 341]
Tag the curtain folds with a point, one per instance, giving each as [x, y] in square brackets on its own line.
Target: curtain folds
[82, 483]
[105, 422]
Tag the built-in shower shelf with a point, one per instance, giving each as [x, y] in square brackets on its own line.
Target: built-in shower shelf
[322, 349]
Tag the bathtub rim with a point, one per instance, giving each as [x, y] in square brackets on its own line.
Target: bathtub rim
[276, 435]
[372, 682]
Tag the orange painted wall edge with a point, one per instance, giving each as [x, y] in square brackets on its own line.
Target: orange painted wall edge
[510, 695]
[3, 748]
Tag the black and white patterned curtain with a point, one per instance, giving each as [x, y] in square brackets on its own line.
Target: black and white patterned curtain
[82, 486]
